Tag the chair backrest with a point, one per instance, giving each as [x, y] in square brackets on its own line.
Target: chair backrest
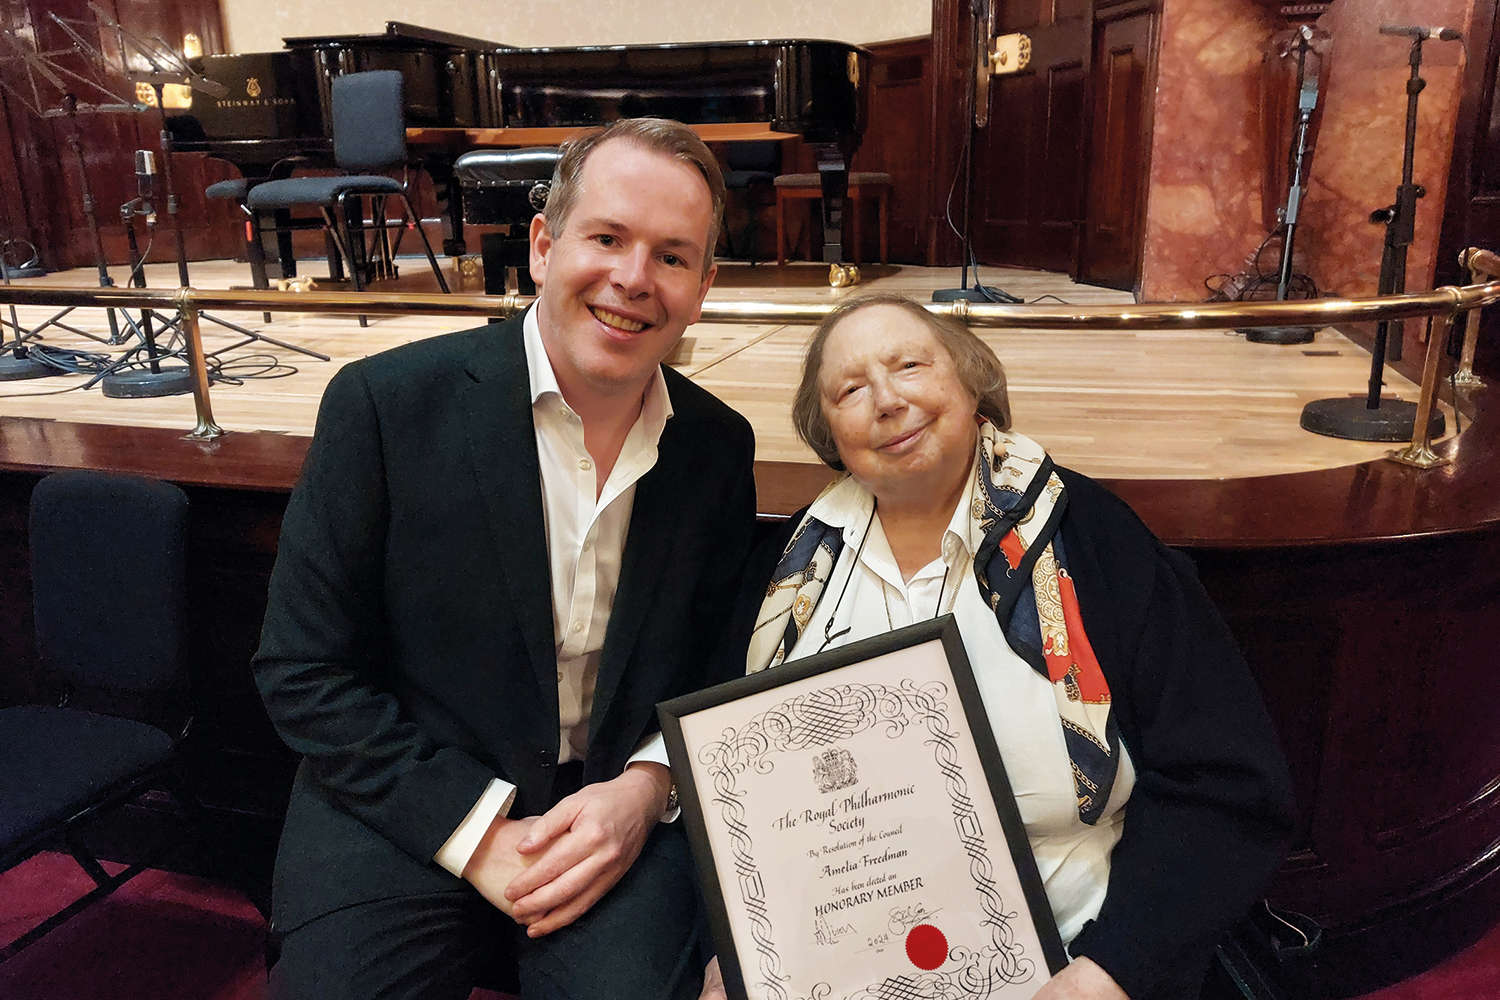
[369, 120]
[109, 580]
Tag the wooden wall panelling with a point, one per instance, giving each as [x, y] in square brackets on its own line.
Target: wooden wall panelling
[32, 185]
[48, 182]
[1471, 214]
[952, 110]
[1379, 690]
[1028, 166]
[899, 141]
[1122, 90]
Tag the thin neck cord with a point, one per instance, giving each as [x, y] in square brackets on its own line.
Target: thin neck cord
[828, 626]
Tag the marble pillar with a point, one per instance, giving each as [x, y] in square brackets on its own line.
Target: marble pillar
[1206, 209]
[1357, 166]
[1204, 206]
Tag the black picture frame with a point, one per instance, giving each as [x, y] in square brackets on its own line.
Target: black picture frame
[694, 799]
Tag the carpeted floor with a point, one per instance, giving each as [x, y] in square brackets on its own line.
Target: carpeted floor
[174, 937]
[162, 936]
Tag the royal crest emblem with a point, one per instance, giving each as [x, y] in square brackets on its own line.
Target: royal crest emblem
[833, 769]
[252, 87]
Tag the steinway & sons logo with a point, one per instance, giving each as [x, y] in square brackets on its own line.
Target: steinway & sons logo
[253, 91]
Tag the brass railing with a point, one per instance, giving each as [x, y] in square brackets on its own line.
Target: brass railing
[1442, 307]
[1481, 264]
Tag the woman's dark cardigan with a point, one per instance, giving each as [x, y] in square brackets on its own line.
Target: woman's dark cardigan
[1211, 813]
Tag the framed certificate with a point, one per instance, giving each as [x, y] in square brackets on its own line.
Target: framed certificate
[854, 829]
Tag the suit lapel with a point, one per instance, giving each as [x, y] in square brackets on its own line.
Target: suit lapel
[648, 543]
[502, 445]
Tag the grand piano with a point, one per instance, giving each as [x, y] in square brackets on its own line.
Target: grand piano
[463, 93]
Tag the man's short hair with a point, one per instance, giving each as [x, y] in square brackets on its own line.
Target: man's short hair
[659, 135]
[978, 370]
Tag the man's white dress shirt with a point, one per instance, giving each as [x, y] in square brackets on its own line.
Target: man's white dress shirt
[586, 531]
[1072, 856]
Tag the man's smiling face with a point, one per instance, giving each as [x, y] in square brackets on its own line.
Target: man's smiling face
[625, 277]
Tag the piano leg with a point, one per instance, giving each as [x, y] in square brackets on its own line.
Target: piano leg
[833, 172]
[450, 199]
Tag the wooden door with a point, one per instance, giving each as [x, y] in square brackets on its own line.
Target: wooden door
[1028, 161]
[1120, 146]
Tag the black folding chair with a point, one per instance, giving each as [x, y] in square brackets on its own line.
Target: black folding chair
[369, 134]
[109, 568]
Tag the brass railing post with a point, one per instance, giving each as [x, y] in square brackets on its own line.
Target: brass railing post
[1472, 260]
[1464, 377]
[206, 429]
[1419, 452]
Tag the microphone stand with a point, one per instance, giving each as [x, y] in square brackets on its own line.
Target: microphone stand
[1307, 102]
[978, 93]
[166, 66]
[1371, 418]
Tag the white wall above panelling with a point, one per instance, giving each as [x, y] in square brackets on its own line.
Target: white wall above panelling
[260, 25]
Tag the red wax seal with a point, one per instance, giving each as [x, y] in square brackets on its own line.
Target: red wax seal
[926, 946]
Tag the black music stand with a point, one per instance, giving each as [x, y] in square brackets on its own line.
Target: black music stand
[168, 66]
[41, 65]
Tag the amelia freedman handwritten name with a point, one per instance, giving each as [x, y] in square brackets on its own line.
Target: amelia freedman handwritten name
[854, 842]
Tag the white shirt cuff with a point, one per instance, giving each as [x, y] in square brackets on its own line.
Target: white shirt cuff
[456, 851]
[653, 750]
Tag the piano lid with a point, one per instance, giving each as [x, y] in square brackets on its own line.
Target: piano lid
[669, 47]
[397, 34]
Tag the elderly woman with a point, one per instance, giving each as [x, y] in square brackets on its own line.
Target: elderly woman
[1146, 771]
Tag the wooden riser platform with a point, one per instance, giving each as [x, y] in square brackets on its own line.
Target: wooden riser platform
[1151, 405]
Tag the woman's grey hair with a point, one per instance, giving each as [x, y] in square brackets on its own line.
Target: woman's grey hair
[979, 371]
[659, 135]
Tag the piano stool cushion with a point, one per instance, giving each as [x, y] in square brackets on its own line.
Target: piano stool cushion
[316, 190]
[57, 760]
[503, 167]
[230, 190]
[859, 177]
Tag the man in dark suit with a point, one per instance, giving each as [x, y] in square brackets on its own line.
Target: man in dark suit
[506, 546]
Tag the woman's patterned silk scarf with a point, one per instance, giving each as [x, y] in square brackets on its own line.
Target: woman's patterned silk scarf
[1021, 571]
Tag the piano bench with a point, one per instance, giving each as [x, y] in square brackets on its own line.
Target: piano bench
[505, 186]
[809, 187]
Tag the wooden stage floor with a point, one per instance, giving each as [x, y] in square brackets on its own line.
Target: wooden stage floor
[1150, 405]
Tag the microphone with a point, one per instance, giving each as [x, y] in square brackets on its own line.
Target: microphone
[145, 172]
[1440, 34]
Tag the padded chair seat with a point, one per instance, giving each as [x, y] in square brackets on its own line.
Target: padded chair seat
[58, 759]
[814, 181]
[313, 190]
[230, 190]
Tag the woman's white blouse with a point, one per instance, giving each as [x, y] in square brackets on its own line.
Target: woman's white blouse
[1072, 856]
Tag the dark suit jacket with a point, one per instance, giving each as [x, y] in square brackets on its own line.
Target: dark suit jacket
[408, 648]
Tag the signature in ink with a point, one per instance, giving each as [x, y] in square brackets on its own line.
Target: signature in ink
[826, 933]
[903, 918]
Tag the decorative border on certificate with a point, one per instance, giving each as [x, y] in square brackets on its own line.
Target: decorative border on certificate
[855, 805]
